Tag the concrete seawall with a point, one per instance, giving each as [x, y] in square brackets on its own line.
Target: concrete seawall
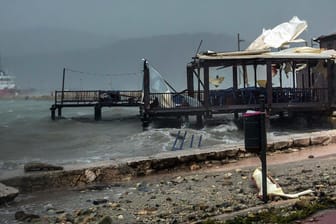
[107, 172]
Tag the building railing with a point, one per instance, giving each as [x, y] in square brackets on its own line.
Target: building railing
[244, 96]
[300, 95]
[250, 95]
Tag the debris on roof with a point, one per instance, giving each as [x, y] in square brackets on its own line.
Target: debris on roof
[280, 35]
[297, 52]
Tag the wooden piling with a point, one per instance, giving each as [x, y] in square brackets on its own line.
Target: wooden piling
[52, 111]
[59, 111]
[98, 112]
[199, 121]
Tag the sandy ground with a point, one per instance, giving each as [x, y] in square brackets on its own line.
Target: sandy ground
[214, 189]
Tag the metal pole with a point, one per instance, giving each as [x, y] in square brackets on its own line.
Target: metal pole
[199, 84]
[62, 96]
[185, 134]
[200, 141]
[263, 147]
[191, 141]
[239, 40]
[312, 44]
[177, 136]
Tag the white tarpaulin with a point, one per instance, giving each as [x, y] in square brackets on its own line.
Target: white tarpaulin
[283, 33]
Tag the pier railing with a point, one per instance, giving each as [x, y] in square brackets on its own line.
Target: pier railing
[121, 97]
[173, 101]
[87, 96]
[98, 96]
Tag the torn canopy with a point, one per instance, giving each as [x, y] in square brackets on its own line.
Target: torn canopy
[280, 35]
[166, 92]
[157, 82]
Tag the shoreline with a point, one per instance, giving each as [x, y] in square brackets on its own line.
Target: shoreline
[198, 193]
[189, 186]
[28, 97]
[116, 170]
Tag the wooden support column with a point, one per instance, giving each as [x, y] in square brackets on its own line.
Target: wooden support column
[235, 77]
[146, 86]
[245, 78]
[190, 80]
[269, 84]
[206, 87]
[309, 75]
[293, 71]
[255, 75]
[330, 83]
[280, 77]
[302, 80]
[199, 83]
[235, 85]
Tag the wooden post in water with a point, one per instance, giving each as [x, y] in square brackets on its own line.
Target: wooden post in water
[97, 112]
[59, 111]
[62, 96]
[53, 114]
[199, 121]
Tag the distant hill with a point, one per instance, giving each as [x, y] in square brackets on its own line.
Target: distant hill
[47, 40]
[169, 54]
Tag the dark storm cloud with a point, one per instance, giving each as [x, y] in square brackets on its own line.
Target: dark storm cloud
[40, 37]
[127, 18]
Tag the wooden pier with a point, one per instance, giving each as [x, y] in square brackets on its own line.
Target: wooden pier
[311, 89]
[96, 99]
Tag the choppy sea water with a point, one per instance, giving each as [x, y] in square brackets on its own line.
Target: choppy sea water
[28, 134]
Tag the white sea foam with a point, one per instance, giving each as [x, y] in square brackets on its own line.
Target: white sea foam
[224, 128]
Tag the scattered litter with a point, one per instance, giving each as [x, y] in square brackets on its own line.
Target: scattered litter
[273, 188]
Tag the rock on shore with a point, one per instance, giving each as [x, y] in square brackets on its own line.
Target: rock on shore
[7, 193]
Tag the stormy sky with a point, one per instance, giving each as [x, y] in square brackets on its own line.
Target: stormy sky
[36, 27]
[129, 18]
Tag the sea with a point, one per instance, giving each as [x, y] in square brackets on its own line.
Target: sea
[28, 134]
